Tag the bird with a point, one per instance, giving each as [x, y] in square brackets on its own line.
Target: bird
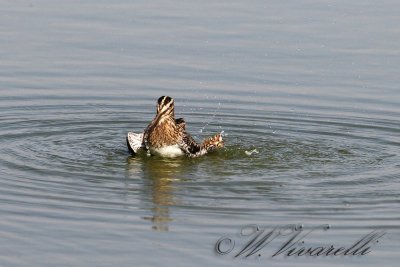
[166, 136]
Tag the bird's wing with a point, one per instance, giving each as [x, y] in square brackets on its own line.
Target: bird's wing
[134, 142]
[189, 145]
[181, 123]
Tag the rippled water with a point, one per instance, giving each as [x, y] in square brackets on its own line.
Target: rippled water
[311, 86]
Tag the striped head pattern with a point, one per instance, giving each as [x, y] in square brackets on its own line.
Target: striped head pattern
[165, 106]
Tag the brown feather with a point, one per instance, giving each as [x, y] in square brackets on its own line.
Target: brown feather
[165, 130]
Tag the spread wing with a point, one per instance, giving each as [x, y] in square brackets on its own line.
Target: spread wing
[189, 145]
[134, 142]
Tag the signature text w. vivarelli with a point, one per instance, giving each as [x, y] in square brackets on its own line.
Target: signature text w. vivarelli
[291, 241]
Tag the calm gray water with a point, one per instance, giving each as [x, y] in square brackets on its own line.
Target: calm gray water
[313, 86]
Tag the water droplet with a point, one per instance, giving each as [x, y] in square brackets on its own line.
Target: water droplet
[249, 153]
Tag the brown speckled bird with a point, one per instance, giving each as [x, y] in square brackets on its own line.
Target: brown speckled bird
[166, 136]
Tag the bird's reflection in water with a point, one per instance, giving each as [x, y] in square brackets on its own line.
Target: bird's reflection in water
[162, 176]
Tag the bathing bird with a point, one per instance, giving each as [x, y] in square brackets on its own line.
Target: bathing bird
[167, 137]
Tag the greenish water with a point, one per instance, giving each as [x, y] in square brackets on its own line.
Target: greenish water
[311, 86]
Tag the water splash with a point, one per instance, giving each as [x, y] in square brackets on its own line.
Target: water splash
[212, 118]
[251, 152]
